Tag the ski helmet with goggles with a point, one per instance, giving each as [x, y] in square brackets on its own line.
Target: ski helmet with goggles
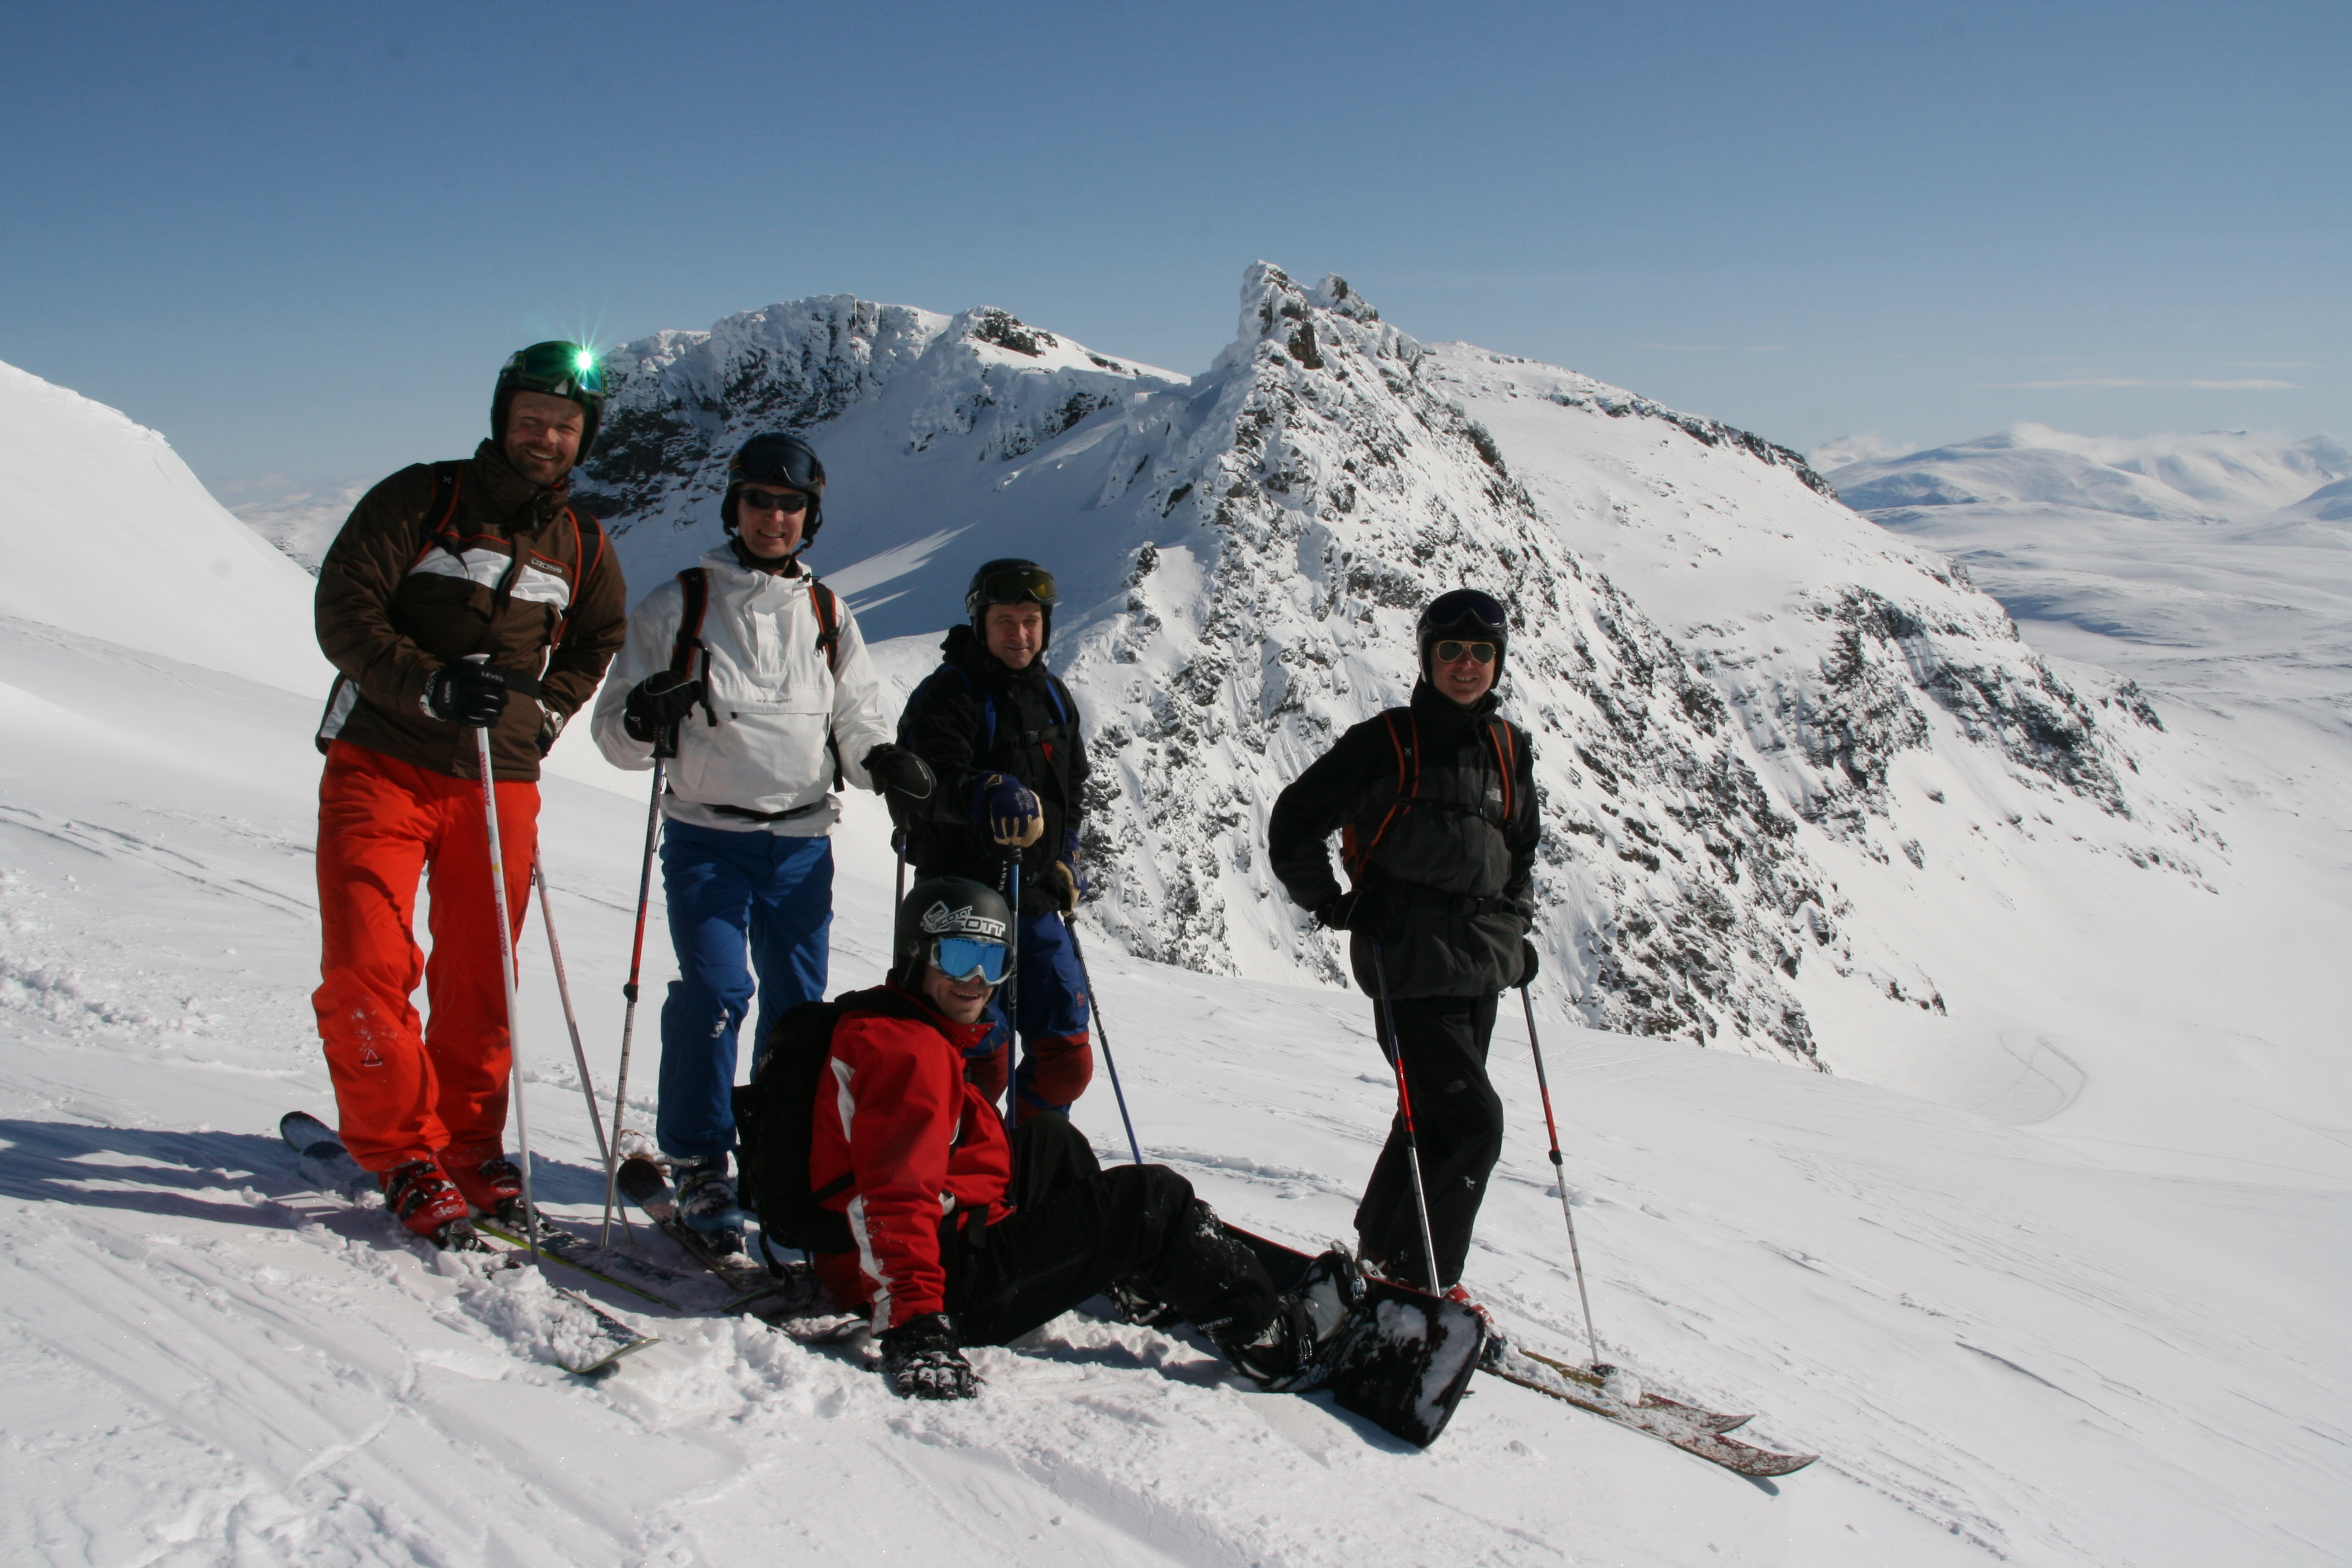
[778, 460]
[1468, 615]
[560, 369]
[1011, 580]
[960, 925]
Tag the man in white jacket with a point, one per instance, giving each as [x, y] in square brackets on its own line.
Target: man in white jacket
[750, 674]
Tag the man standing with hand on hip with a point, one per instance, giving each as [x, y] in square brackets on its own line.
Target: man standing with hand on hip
[458, 596]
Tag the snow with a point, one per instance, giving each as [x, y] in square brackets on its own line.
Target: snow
[2051, 1277]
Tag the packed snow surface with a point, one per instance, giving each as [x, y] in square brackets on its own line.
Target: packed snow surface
[2054, 1277]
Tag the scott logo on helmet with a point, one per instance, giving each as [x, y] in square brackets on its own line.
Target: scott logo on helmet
[940, 921]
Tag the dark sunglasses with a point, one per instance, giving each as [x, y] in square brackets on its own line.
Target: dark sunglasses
[773, 500]
[1450, 650]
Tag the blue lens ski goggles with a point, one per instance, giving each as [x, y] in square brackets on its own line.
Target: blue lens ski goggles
[962, 957]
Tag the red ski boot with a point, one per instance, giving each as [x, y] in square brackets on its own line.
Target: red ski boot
[491, 1182]
[429, 1203]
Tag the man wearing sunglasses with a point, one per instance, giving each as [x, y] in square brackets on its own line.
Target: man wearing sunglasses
[1436, 805]
[752, 675]
[460, 597]
[960, 1233]
[1002, 734]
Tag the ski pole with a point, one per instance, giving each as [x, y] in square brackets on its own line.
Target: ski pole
[663, 748]
[898, 843]
[1560, 1177]
[1012, 985]
[507, 974]
[1096, 1002]
[571, 1019]
[1394, 1045]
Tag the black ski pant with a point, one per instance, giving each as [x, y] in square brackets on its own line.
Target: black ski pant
[1076, 1229]
[1458, 1120]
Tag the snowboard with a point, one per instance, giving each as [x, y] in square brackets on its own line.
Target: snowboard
[1403, 1358]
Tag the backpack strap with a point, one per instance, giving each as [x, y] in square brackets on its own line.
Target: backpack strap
[827, 604]
[694, 585]
[1355, 852]
[1506, 741]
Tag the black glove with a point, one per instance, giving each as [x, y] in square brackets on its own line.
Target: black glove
[658, 701]
[1527, 965]
[1068, 886]
[1340, 909]
[898, 770]
[920, 1360]
[467, 693]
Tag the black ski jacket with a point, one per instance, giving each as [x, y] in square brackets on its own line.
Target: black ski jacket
[972, 717]
[1436, 806]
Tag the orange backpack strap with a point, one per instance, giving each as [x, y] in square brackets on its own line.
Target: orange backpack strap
[1500, 735]
[435, 535]
[1355, 852]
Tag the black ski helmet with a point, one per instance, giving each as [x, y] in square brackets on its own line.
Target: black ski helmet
[560, 369]
[944, 906]
[776, 459]
[1471, 616]
[1009, 581]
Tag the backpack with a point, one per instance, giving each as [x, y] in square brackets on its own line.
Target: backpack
[695, 584]
[775, 1114]
[1355, 848]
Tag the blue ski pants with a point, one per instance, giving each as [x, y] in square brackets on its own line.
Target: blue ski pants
[730, 892]
[1050, 995]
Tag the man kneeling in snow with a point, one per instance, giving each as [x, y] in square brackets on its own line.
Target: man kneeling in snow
[959, 1234]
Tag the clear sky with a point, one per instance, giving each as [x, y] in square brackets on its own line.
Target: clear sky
[300, 238]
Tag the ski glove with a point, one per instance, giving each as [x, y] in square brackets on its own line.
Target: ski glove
[920, 1360]
[467, 693]
[1527, 963]
[1067, 885]
[1339, 910]
[658, 701]
[1011, 814]
[898, 770]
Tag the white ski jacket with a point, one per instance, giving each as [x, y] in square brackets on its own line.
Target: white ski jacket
[776, 698]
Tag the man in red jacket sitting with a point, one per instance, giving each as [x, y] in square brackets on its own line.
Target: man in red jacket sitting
[965, 1236]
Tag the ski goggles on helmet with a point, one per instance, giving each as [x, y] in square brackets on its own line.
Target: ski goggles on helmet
[776, 459]
[1012, 584]
[773, 500]
[962, 957]
[1451, 650]
[1464, 607]
[558, 368]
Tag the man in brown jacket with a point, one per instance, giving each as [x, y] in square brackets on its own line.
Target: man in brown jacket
[459, 596]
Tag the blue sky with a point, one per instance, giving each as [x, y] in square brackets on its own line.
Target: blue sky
[300, 238]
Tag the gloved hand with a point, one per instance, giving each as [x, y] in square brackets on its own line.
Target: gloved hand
[898, 770]
[658, 701]
[467, 693]
[920, 1360]
[1528, 966]
[1339, 910]
[1067, 884]
[1012, 814]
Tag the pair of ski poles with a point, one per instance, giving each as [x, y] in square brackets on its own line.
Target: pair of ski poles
[1393, 1046]
[507, 968]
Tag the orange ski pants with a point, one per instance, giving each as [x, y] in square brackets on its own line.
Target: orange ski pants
[404, 1093]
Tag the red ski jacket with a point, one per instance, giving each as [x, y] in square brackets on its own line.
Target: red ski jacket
[918, 1144]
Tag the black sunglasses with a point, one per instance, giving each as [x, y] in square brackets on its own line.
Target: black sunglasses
[1450, 650]
[773, 500]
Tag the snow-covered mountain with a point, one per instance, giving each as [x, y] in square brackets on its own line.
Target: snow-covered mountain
[1724, 670]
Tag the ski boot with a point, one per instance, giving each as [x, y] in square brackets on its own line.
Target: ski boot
[491, 1182]
[707, 1204]
[1495, 1350]
[425, 1200]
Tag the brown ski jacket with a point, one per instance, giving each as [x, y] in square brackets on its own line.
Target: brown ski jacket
[516, 572]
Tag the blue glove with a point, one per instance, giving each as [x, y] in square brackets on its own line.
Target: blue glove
[1012, 816]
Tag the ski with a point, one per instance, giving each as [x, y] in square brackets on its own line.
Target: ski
[326, 1164]
[1686, 1427]
[638, 1277]
[792, 1303]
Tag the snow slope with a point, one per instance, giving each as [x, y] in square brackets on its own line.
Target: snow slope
[2001, 1343]
[108, 534]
